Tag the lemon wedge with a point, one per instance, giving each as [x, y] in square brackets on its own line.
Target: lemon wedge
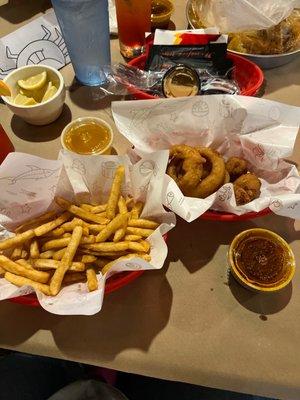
[22, 100]
[50, 92]
[33, 82]
[4, 89]
[37, 94]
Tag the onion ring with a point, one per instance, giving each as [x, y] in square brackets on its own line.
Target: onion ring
[185, 167]
[215, 179]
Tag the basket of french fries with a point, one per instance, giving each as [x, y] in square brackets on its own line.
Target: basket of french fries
[87, 233]
[227, 154]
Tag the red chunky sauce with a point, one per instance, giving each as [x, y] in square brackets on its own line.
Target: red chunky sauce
[261, 259]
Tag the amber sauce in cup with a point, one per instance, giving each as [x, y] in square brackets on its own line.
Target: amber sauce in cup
[88, 137]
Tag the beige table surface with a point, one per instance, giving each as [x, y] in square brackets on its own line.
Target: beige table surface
[186, 322]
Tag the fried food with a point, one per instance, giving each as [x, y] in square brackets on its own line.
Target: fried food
[201, 177]
[236, 166]
[215, 179]
[185, 167]
[136, 209]
[246, 188]
[66, 261]
[17, 240]
[92, 281]
[114, 196]
[22, 281]
[14, 268]
[61, 249]
[226, 178]
[281, 38]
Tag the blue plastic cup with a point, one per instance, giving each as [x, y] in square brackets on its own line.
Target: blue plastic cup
[85, 28]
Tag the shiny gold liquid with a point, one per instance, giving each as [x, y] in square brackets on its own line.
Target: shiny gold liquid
[87, 138]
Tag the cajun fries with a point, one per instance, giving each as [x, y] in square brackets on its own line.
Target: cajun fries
[59, 249]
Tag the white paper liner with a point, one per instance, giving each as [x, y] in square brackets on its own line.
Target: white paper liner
[261, 131]
[29, 184]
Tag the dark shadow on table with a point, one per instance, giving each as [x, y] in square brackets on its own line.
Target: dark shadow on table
[94, 97]
[16, 11]
[196, 243]
[261, 303]
[45, 133]
[131, 318]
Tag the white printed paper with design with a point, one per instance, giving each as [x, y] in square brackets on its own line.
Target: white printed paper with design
[29, 185]
[40, 42]
[261, 131]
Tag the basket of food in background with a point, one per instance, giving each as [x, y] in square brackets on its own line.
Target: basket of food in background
[71, 224]
[226, 153]
[268, 39]
[188, 63]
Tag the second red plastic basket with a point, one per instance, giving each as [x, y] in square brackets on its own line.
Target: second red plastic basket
[247, 74]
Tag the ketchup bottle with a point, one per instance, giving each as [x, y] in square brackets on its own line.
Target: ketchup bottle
[6, 145]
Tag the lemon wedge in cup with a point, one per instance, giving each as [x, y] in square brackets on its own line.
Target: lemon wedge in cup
[4, 89]
[34, 82]
[22, 100]
[50, 92]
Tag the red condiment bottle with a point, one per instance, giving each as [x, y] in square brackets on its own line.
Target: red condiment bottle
[6, 145]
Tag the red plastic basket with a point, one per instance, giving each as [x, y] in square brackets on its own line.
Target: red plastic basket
[250, 78]
[113, 283]
[6, 145]
[228, 217]
[247, 74]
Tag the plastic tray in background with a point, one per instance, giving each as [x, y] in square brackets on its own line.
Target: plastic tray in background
[247, 74]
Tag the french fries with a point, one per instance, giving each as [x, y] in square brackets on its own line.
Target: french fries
[139, 231]
[47, 254]
[14, 268]
[115, 192]
[66, 261]
[143, 223]
[79, 212]
[17, 240]
[17, 253]
[50, 226]
[22, 281]
[137, 210]
[59, 249]
[92, 281]
[34, 249]
[119, 221]
[35, 221]
[45, 265]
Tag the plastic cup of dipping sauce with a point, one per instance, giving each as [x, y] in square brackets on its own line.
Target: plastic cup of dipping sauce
[261, 260]
[87, 136]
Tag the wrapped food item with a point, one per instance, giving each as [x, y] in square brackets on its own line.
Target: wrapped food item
[242, 15]
[281, 38]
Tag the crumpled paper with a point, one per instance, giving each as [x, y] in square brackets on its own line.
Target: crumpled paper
[261, 131]
[242, 15]
[29, 185]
